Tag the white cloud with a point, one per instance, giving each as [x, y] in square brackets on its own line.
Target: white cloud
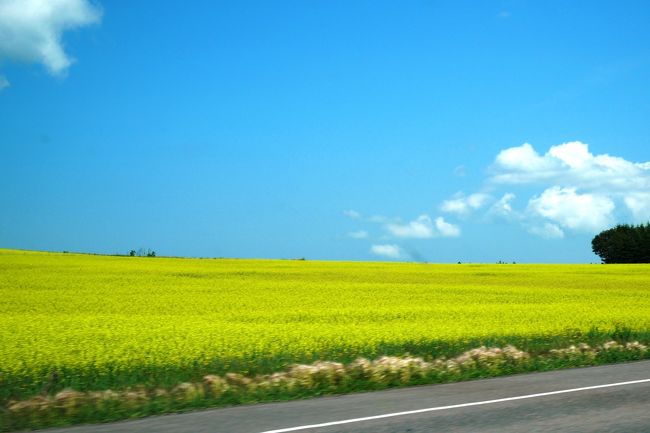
[573, 154]
[361, 234]
[576, 189]
[420, 228]
[31, 30]
[521, 159]
[590, 212]
[462, 205]
[4, 83]
[423, 227]
[639, 205]
[447, 229]
[352, 214]
[547, 231]
[503, 207]
[387, 250]
[567, 189]
[572, 165]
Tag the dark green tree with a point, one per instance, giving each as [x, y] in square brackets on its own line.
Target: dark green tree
[623, 244]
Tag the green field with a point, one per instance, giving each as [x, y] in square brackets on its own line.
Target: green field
[99, 322]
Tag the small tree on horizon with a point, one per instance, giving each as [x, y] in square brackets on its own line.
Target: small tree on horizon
[624, 243]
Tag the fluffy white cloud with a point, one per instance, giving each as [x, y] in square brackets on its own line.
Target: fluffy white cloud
[639, 205]
[420, 228]
[564, 206]
[521, 159]
[462, 205]
[572, 165]
[387, 250]
[31, 30]
[548, 231]
[423, 227]
[567, 189]
[361, 234]
[574, 154]
[447, 229]
[576, 190]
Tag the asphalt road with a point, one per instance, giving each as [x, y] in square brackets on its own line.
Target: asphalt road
[621, 408]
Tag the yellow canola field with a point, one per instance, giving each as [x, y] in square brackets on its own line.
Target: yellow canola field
[101, 321]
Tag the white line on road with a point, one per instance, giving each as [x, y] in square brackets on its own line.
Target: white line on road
[453, 406]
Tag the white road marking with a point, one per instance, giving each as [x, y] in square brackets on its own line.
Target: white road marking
[453, 406]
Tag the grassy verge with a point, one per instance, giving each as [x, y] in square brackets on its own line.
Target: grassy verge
[69, 406]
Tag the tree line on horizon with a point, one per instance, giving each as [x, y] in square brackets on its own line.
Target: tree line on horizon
[141, 252]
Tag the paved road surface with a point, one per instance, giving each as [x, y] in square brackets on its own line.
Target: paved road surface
[621, 408]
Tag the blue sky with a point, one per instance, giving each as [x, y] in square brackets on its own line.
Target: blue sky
[418, 131]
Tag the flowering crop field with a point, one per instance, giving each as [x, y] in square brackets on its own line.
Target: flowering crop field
[97, 322]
